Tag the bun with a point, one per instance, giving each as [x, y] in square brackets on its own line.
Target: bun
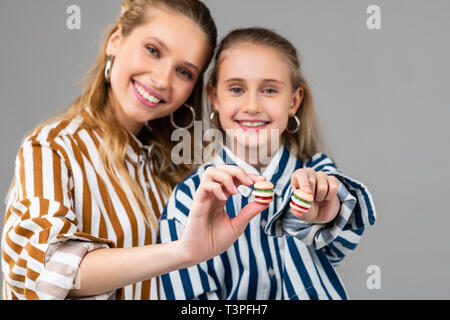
[125, 6]
[263, 185]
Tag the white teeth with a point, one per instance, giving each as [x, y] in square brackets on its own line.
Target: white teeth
[146, 95]
[252, 124]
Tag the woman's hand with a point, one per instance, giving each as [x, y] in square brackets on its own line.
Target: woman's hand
[209, 230]
[324, 189]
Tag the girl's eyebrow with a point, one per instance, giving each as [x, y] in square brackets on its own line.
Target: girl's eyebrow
[264, 80]
[235, 80]
[166, 48]
[274, 80]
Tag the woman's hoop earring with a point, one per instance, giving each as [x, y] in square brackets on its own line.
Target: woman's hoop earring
[108, 67]
[297, 121]
[192, 122]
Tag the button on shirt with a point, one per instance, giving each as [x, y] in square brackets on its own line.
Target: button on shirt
[278, 256]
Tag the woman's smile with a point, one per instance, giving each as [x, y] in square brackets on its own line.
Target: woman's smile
[147, 96]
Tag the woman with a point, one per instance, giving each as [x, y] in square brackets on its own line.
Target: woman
[89, 187]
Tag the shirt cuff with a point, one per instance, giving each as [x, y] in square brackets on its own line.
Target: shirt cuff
[320, 235]
[60, 274]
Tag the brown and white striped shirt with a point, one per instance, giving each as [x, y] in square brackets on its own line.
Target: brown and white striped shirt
[64, 204]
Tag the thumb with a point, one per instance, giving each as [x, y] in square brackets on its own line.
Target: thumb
[247, 213]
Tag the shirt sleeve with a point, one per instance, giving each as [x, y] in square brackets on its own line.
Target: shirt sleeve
[199, 282]
[40, 230]
[341, 235]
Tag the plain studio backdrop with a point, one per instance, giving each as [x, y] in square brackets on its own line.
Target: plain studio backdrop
[382, 96]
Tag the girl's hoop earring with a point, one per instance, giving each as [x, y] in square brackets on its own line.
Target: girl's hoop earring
[108, 67]
[211, 116]
[192, 122]
[297, 121]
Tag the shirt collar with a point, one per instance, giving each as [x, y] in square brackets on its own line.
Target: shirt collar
[136, 150]
[279, 170]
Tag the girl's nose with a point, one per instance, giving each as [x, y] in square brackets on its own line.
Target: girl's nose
[252, 105]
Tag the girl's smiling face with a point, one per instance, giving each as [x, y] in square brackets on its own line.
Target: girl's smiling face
[254, 92]
[155, 67]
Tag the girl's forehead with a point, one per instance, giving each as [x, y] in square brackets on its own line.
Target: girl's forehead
[253, 61]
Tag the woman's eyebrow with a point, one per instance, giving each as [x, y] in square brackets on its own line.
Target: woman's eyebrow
[160, 42]
[193, 66]
[166, 48]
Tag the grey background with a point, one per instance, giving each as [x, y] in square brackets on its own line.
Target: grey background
[381, 95]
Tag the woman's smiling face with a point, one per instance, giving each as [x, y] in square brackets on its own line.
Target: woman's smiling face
[155, 67]
[254, 95]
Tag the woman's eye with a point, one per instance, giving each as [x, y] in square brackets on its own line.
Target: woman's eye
[184, 73]
[153, 51]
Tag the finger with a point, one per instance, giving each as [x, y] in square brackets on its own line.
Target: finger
[256, 178]
[240, 222]
[333, 187]
[312, 180]
[321, 186]
[299, 180]
[214, 188]
[237, 173]
[222, 177]
[309, 216]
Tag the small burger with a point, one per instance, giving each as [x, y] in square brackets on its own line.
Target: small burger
[263, 191]
[301, 201]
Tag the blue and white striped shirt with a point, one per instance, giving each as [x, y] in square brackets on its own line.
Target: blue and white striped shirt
[278, 256]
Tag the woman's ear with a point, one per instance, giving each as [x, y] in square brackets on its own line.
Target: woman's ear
[114, 42]
[297, 99]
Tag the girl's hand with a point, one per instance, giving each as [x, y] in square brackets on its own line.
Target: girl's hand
[324, 189]
[209, 230]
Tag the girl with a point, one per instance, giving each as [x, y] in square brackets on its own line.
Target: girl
[259, 95]
[83, 210]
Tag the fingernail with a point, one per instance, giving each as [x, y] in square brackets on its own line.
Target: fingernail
[235, 190]
[306, 188]
[249, 181]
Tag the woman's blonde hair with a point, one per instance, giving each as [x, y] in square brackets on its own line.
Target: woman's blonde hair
[96, 96]
[307, 140]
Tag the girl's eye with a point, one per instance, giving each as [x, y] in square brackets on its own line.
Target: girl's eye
[153, 51]
[236, 90]
[270, 91]
[185, 74]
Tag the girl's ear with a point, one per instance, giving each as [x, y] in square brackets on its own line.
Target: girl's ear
[212, 96]
[297, 99]
[114, 42]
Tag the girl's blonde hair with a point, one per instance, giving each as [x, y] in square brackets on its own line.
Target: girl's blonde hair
[96, 96]
[307, 140]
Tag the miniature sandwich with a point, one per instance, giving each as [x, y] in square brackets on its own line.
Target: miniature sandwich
[263, 192]
[301, 201]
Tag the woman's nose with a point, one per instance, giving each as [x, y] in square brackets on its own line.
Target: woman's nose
[160, 77]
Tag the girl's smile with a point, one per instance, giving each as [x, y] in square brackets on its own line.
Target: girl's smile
[252, 124]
